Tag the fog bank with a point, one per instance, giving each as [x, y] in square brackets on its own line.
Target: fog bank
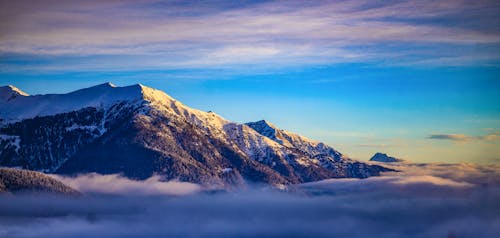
[408, 205]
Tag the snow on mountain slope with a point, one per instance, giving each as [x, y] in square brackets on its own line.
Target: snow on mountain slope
[140, 131]
[244, 138]
[101, 96]
[106, 95]
[292, 140]
[10, 92]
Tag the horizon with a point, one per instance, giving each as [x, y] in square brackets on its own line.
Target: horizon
[415, 80]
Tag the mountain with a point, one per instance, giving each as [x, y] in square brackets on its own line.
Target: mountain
[18, 180]
[10, 92]
[311, 148]
[381, 157]
[139, 131]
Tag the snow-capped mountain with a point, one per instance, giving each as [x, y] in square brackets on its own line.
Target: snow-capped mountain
[18, 105]
[9, 92]
[292, 140]
[139, 131]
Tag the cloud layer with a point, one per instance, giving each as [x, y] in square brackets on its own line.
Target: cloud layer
[426, 200]
[170, 34]
[118, 185]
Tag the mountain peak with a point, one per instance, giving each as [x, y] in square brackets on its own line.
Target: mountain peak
[107, 84]
[152, 94]
[9, 92]
[266, 129]
[17, 105]
[292, 140]
[382, 157]
[102, 86]
[263, 123]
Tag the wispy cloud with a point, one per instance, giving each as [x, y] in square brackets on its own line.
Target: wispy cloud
[116, 184]
[195, 34]
[455, 137]
[462, 137]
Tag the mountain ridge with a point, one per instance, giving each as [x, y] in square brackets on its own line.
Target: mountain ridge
[140, 131]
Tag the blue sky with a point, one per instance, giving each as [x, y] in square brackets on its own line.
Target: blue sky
[415, 79]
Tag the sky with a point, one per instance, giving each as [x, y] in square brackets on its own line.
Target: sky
[415, 79]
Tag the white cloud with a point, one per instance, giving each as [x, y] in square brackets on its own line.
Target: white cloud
[427, 179]
[425, 200]
[116, 184]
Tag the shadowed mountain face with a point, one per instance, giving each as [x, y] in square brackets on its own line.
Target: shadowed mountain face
[17, 180]
[139, 131]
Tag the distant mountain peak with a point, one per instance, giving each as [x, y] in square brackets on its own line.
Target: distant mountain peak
[106, 84]
[98, 87]
[382, 157]
[110, 84]
[9, 92]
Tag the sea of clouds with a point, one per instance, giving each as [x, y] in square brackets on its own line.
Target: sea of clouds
[423, 200]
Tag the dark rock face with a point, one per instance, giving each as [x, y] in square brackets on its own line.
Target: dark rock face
[141, 147]
[44, 143]
[17, 180]
[381, 157]
[158, 135]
